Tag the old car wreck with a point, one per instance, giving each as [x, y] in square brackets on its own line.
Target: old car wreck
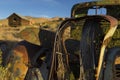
[84, 47]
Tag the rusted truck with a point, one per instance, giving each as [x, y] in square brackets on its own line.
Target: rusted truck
[94, 37]
[84, 47]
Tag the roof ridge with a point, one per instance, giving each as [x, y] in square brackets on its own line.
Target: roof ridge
[22, 17]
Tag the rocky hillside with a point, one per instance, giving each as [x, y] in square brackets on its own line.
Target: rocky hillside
[35, 20]
[10, 34]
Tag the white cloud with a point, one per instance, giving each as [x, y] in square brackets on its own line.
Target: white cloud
[51, 1]
[38, 15]
[46, 16]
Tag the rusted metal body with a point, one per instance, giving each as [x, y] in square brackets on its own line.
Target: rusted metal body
[106, 40]
[112, 8]
[59, 39]
[91, 51]
[37, 43]
[79, 12]
[81, 9]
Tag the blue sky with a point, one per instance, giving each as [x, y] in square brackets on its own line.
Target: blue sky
[37, 8]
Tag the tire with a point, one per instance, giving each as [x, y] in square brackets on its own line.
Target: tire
[89, 46]
[110, 68]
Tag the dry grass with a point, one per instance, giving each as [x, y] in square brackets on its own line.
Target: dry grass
[7, 34]
[5, 74]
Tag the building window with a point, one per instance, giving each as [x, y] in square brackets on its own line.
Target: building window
[14, 20]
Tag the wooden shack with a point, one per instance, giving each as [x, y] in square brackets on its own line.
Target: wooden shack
[16, 20]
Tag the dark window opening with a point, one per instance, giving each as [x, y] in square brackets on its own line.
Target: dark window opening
[14, 20]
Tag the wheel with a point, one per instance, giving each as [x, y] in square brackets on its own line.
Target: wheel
[112, 67]
[90, 46]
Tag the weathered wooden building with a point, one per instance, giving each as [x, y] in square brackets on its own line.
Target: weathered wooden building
[15, 20]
